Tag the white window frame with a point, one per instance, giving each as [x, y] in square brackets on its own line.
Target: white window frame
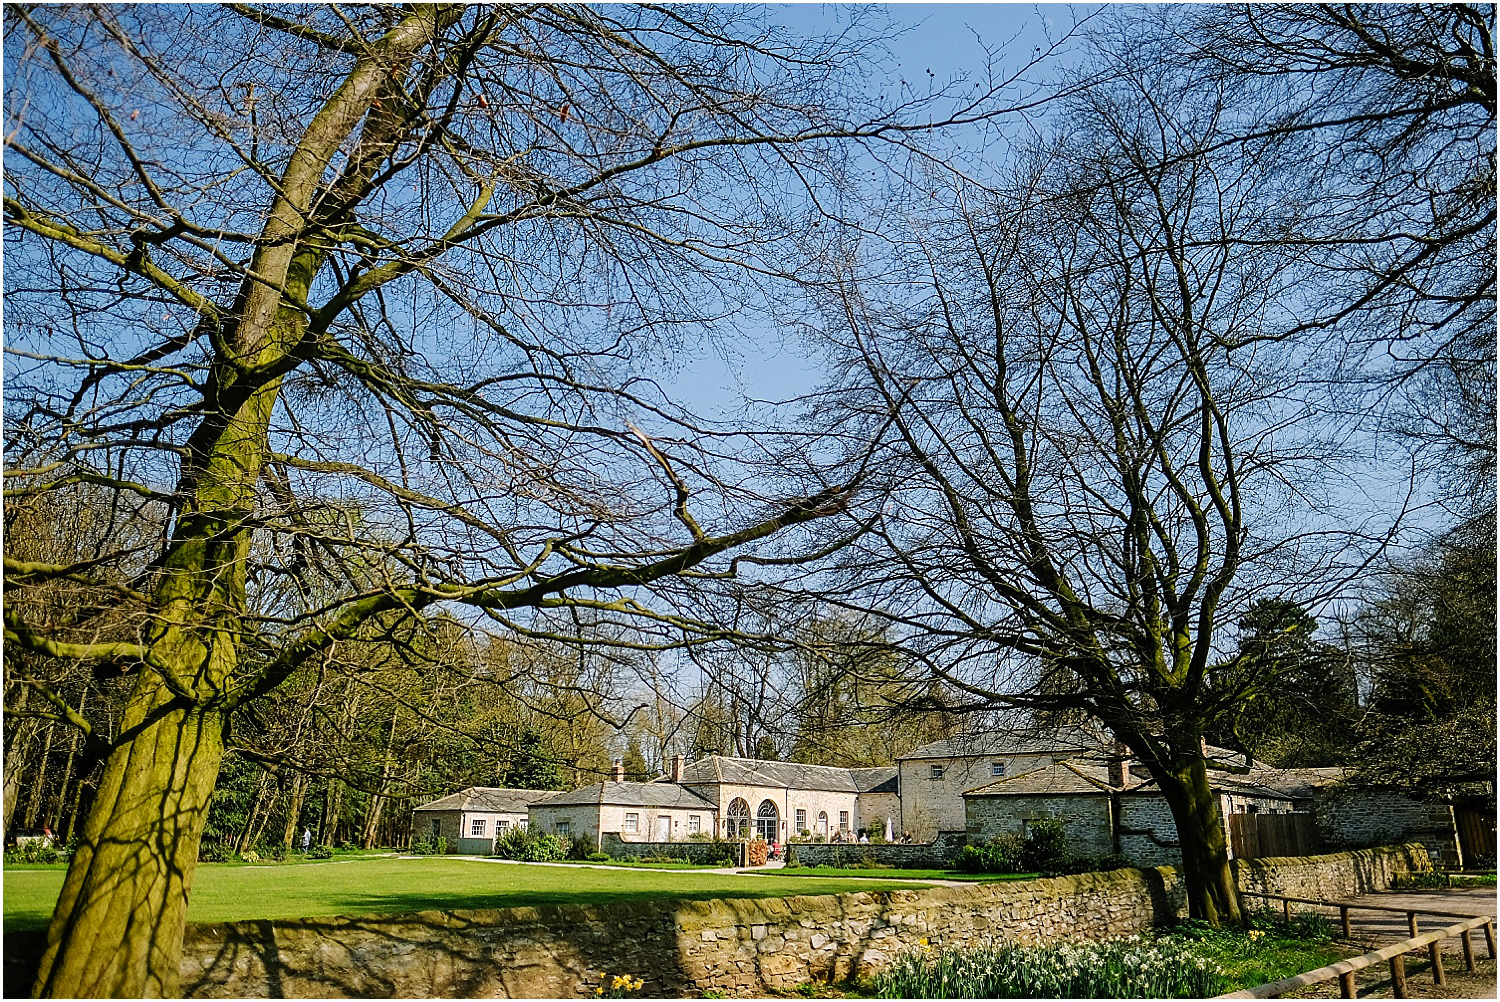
[801, 818]
[564, 828]
[632, 824]
[501, 827]
[695, 824]
[843, 821]
[997, 768]
[476, 828]
[937, 772]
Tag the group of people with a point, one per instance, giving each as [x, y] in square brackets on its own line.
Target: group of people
[843, 836]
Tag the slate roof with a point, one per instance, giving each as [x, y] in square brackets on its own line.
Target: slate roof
[1299, 784]
[1065, 777]
[877, 779]
[758, 772]
[1076, 776]
[1019, 741]
[634, 795]
[489, 798]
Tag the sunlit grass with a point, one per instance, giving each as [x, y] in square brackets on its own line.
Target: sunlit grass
[373, 886]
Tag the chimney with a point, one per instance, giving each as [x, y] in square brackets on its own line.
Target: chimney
[1119, 765]
[617, 771]
[676, 768]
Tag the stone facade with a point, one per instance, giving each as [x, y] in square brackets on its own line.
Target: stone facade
[472, 819]
[1362, 817]
[1090, 827]
[935, 855]
[641, 812]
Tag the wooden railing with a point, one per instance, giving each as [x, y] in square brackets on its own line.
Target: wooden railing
[1395, 954]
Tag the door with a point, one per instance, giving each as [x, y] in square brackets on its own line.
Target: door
[663, 828]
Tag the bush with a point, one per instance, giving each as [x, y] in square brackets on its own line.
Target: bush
[326, 851]
[37, 850]
[580, 846]
[791, 857]
[1001, 854]
[598, 857]
[214, 852]
[1046, 846]
[524, 845]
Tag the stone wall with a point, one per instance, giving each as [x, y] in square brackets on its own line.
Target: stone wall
[1363, 817]
[1087, 817]
[1332, 876]
[934, 855]
[705, 851]
[738, 947]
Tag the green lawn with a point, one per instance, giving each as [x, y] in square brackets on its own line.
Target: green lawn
[372, 886]
[838, 871]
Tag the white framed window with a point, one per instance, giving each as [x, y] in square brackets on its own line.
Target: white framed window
[937, 772]
[632, 823]
[501, 827]
[997, 768]
[565, 828]
[476, 828]
[522, 824]
[695, 824]
[801, 818]
[843, 821]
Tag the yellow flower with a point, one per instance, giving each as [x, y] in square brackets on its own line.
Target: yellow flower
[639, 984]
[599, 990]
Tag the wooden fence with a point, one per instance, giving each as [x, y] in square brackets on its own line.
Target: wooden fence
[1252, 836]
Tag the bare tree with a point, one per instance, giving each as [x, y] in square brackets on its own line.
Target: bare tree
[1392, 111]
[1100, 447]
[367, 302]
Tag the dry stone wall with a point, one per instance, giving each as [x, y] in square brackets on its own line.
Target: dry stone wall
[1333, 876]
[738, 947]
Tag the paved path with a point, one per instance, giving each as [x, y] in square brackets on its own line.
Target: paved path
[1382, 928]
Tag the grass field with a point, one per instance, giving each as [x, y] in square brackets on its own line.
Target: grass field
[835, 871]
[227, 893]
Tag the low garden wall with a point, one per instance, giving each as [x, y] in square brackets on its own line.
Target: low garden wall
[1332, 876]
[934, 855]
[706, 851]
[737, 946]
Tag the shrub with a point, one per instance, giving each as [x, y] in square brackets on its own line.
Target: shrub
[598, 857]
[1046, 846]
[1001, 854]
[530, 847]
[326, 851]
[581, 846]
[214, 852]
[37, 850]
[791, 857]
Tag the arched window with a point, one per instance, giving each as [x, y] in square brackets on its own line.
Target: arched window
[766, 821]
[737, 824]
[822, 823]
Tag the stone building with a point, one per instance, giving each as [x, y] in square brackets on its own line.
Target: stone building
[472, 819]
[779, 800]
[933, 779]
[643, 812]
[1108, 809]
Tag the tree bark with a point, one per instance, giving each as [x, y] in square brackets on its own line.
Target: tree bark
[294, 809]
[38, 796]
[1211, 891]
[117, 931]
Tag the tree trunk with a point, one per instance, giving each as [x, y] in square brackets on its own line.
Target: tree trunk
[294, 809]
[117, 930]
[38, 785]
[17, 744]
[1211, 891]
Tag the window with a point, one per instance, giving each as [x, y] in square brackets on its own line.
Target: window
[501, 827]
[632, 823]
[437, 829]
[843, 821]
[476, 828]
[801, 819]
[565, 828]
[997, 768]
[937, 772]
[695, 824]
